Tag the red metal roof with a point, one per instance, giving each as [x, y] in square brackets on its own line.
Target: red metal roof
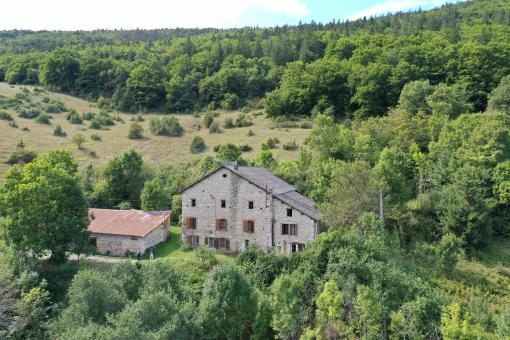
[125, 222]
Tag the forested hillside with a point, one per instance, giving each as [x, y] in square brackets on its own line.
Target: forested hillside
[416, 105]
[356, 68]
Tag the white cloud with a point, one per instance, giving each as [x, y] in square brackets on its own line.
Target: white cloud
[126, 14]
[394, 6]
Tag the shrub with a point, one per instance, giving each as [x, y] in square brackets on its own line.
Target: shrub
[88, 115]
[95, 124]
[45, 99]
[243, 120]
[29, 113]
[105, 119]
[197, 145]
[167, 126]
[272, 142]
[25, 128]
[135, 131]
[79, 139]
[95, 137]
[214, 128]
[228, 123]
[137, 118]
[21, 155]
[245, 148]
[306, 125]
[290, 146]
[251, 133]
[74, 117]
[4, 115]
[59, 132]
[55, 106]
[208, 119]
[43, 118]
[13, 124]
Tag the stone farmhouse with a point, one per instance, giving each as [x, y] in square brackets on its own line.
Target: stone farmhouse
[116, 232]
[236, 206]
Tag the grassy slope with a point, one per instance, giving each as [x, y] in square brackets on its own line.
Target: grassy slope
[154, 149]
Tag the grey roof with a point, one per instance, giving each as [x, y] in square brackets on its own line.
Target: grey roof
[262, 178]
[301, 203]
[280, 189]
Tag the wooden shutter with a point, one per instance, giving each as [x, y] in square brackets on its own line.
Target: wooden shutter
[245, 226]
[187, 222]
[227, 244]
[218, 224]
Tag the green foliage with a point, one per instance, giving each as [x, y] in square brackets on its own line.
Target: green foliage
[227, 307]
[214, 128]
[290, 146]
[74, 117]
[79, 139]
[43, 118]
[228, 152]
[228, 123]
[208, 119]
[135, 131]
[29, 113]
[53, 200]
[265, 158]
[59, 132]
[122, 180]
[197, 145]
[95, 137]
[155, 195]
[4, 115]
[167, 126]
[499, 99]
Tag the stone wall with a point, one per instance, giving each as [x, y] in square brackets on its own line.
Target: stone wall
[238, 192]
[118, 245]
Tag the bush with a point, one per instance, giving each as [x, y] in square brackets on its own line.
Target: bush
[59, 132]
[55, 106]
[79, 139]
[43, 119]
[167, 126]
[74, 117]
[4, 115]
[95, 137]
[95, 124]
[243, 120]
[13, 124]
[208, 119]
[135, 131]
[306, 125]
[105, 119]
[88, 115]
[290, 146]
[29, 113]
[251, 133]
[273, 142]
[197, 145]
[137, 118]
[228, 123]
[245, 148]
[214, 128]
[21, 156]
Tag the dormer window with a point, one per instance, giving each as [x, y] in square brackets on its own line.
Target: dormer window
[193, 202]
[289, 212]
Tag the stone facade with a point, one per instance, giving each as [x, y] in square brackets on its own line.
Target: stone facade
[224, 195]
[119, 245]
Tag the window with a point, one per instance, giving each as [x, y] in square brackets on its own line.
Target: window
[295, 247]
[93, 241]
[193, 202]
[191, 223]
[209, 241]
[246, 244]
[193, 240]
[218, 243]
[221, 224]
[250, 205]
[285, 229]
[249, 226]
[224, 175]
[293, 229]
[223, 203]
[134, 238]
[289, 212]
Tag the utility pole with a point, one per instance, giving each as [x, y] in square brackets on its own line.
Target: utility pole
[381, 205]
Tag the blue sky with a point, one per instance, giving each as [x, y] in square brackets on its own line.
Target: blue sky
[129, 14]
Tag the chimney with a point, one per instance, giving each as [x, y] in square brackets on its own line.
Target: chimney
[236, 167]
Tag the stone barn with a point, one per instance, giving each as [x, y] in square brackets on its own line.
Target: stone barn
[116, 232]
[237, 206]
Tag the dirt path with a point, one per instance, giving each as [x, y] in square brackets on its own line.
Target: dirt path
[93, 258]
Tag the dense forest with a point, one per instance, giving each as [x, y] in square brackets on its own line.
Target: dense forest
[414, 104]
